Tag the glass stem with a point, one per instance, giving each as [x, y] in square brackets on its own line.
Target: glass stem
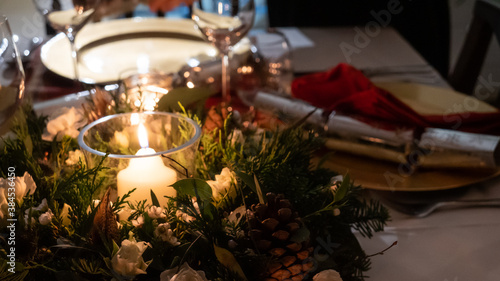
[74, 55]
[226, 79]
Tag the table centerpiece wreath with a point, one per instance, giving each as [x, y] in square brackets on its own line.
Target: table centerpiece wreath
[254, 208]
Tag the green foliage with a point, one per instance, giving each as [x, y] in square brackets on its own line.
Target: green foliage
[24, 151]
[281, 162]
[198, 227]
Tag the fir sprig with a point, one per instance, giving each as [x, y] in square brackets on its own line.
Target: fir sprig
[279, 161]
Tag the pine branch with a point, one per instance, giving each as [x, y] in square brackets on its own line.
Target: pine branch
[366, 217]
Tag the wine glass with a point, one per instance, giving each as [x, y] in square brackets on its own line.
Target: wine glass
[224, 23]
[11, 76]
[69, 17]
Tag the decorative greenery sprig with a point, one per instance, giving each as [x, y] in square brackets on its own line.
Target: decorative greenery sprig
[208, 232]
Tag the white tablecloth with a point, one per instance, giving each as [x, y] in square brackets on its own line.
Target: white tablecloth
[449, 244]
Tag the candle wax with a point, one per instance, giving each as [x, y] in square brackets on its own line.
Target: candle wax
[146, 174]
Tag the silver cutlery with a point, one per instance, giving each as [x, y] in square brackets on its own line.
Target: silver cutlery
[422, 210]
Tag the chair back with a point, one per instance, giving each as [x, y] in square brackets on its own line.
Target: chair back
[425, 24]
[485, 22]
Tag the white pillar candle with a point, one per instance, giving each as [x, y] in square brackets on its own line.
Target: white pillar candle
[146, 174]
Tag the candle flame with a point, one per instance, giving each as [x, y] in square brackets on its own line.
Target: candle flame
[143, 136]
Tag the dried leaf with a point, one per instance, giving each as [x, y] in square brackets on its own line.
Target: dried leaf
[228, 260]
[104, 223]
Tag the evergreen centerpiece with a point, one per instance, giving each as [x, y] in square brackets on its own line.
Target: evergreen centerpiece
[254, 208]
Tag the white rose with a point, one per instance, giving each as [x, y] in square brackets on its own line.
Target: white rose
[185, 273]
[23, 186]
[128, 260]
[46, 217]
[74, 157]
[67, 123]
[166, 234]
[222, 185]
[327, 275]
[156, 212]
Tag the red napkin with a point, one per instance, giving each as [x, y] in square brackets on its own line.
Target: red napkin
[346, 90]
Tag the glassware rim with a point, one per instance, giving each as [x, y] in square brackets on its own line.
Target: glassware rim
[184, 146]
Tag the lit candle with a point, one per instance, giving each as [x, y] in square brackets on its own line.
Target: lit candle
[146, 174]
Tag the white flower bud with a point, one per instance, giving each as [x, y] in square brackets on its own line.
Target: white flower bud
[184, 273]
[156, 212]
[138, 222]
[166, 234]
[46, 217]
[327, 275]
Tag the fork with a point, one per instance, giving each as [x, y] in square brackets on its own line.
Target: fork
[425, 209]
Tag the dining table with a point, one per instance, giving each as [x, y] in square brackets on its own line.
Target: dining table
[449, 244]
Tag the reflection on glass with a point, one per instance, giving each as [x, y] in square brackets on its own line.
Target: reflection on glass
[224, 23]
[11, 77]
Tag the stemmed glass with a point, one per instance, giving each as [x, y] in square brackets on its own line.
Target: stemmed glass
[224, 23]
[11, 76]
[69, 17]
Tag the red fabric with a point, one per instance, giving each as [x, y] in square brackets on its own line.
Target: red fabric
[346, 90]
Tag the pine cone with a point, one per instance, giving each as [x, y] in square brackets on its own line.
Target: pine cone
[272, 225]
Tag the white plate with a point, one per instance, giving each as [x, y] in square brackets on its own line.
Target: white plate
[107, 49]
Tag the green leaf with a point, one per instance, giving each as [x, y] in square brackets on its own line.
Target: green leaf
[228, 260]
[208, 210]
[259, 190]
[343, 188]
[176, 261]
[154, 199]
[194, 188]
[247, 179]
[115, 248]
[184, 96]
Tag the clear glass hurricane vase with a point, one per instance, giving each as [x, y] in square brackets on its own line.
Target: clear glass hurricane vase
[11, 77]
[224, 23]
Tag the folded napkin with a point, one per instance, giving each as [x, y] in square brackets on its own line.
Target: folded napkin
[346, 90]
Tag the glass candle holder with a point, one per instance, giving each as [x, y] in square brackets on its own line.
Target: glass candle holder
[148, 151]
[143, 91]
